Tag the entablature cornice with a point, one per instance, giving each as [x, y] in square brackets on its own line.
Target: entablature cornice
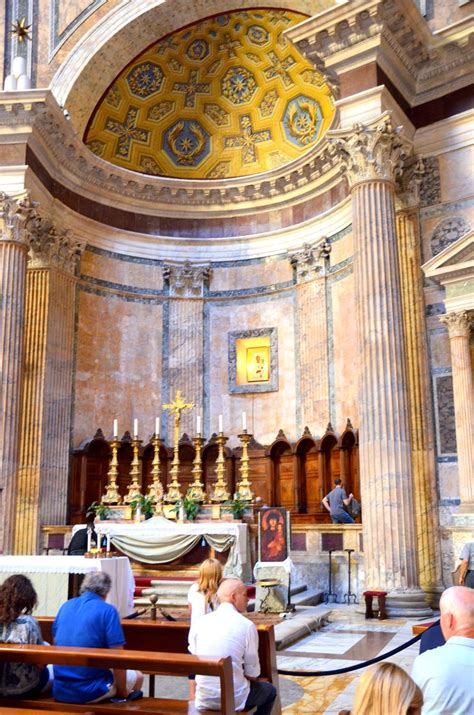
[63, 155]
[422, 65]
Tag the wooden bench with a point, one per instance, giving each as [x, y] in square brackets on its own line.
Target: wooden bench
[160, 663]
[421, 627]
[172, 637]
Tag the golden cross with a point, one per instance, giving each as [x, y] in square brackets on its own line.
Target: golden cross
[178, 405]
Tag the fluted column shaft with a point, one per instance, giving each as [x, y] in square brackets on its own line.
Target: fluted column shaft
[13, 257]
[372, 156]
[46, 405]
[421, 424]
[459, 332]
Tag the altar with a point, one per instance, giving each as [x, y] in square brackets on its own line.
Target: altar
[50, 576]
[161, 541]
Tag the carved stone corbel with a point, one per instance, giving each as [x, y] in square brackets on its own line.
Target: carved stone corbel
[310, 261]
[187, 279]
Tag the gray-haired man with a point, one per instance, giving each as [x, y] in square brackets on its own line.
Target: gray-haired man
[89, 622]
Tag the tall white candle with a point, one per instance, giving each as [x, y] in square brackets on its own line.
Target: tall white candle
[135, 427]
[157, 426]
[220, 424]
[198, 424]
[108, 543]
[89, 540]
[115, 428]
[18, 66]
[244, 421]
[99, 539]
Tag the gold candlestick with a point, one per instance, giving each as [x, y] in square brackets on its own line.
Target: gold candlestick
[112, 495]
[173, 493]
[155, 490]
[134, 486]
[220, 493]
[196, 489]
[244, 487]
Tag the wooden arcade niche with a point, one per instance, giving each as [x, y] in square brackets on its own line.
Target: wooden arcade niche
[294, 475]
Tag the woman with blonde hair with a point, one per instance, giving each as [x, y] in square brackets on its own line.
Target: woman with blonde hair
[202, 598]
[387, 688]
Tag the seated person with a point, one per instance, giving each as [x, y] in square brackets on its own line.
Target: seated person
[386, 689]
[89, 622]
[224, 632]
[17, 601]
[78, 544]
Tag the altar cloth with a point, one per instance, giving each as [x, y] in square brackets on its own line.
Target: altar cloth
[50, 577]
[159, 540]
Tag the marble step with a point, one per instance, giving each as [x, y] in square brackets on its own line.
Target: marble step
[307, 597]
[299, 624]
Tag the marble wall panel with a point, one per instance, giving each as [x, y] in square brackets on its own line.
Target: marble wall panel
[118, 364]
[122, 270]
[251, 274]
[342, 248]
[266, 412]
[448, 219]
[439, 346]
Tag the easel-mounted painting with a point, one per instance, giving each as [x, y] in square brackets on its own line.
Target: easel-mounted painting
[253, 361]
[273, 534]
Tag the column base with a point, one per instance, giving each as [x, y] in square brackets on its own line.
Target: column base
[433, 594]
[411, 603]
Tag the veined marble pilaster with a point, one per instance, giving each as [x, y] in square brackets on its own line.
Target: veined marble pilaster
[309, 264]
[459, 327]
[186, 338]
[15, 217]
[45, 423]
[421, 425]
[372, 158]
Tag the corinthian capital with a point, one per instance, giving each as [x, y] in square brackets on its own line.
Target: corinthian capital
[370, 153]
[310, 260]
[16, 216]
[459, 324]
[54, 248]
[186, 279]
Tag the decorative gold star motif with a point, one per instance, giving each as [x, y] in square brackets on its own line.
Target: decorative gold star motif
[21, 30]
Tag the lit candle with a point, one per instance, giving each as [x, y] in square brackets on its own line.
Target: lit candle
[244, 421]
[198, 424]
[220, 424]
[89, 540]
[108, 543]
[99, 537]
[157, 426]
[135, 427]
[115, 428]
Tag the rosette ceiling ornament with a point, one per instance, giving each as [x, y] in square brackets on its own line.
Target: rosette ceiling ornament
[226, 97]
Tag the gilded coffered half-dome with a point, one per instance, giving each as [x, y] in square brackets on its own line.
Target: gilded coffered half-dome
[225, 97]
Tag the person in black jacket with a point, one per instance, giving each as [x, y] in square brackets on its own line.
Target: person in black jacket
[78, 544]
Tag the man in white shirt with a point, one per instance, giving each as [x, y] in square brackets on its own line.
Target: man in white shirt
[227, 632]
[444, 674]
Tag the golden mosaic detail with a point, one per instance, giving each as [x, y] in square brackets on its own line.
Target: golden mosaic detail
[226, 97]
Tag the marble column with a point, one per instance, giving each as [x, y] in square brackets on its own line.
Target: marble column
[371, 157]
[186, 283]
[419, 402]
[16, 215]
[459, 327]
[42, 482]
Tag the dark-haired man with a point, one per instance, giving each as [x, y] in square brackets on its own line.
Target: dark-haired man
[335, 502]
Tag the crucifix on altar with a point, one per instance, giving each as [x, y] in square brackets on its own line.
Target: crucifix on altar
[173, 494]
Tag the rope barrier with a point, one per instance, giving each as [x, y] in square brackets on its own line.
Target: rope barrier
[349, 668]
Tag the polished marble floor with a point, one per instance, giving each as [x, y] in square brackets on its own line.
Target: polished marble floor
[346, 640]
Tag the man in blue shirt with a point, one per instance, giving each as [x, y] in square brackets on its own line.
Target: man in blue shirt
[89, 622]
[336, 501]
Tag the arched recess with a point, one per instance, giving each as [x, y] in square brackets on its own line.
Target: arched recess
[147, 465]
[282, 473]
[209, 458]
[308, 481]
[329, 461]
[90, 464]
[349, 461]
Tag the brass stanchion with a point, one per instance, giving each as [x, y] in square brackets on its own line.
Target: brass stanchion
[196, 489]
[134, 491]
[112, 495]
[244, 487]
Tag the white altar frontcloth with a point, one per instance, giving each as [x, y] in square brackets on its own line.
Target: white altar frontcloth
[159, 530]
[50, 577]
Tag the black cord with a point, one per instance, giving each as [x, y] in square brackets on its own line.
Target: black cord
[349, 668]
